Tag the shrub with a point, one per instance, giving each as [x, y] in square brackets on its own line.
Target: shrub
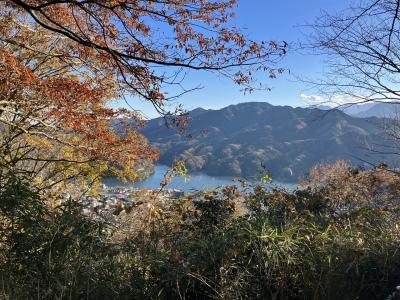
[256, 243]
[52, 253]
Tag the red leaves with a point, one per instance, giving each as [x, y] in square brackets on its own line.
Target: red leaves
[133, 39]
[13, 76]
[62, 62]
[75, 108]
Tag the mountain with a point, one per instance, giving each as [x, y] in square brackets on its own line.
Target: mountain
[356, 109]
[381, 110]
[198, 111]
[367, 110]
[287, 141]
[321, 106]
[350, 109]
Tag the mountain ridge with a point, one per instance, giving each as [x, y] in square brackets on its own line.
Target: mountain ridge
[288, 141]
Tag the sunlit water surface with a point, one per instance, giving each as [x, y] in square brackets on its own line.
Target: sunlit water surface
[192, 182]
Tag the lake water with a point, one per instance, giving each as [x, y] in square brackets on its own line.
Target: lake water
[196, 181]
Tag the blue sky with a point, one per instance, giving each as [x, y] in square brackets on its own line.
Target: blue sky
[263, 20]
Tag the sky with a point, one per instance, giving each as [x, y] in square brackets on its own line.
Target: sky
[281, 20]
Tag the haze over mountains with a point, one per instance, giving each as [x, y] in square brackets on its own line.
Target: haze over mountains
[243, 139]
[366, 110]
[381, 110]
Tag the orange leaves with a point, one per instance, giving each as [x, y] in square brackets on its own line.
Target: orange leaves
[347, 186]
[13, 74]
[231, 192]
[64, 119]
[62, 62]
[145, 46]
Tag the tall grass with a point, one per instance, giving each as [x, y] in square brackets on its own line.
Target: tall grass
[223, 244]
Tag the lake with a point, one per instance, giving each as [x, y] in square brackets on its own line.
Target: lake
[195, 181]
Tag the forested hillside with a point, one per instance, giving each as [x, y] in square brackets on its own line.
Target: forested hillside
[242, 139]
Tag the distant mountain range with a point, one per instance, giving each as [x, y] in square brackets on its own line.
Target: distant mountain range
[373, 109]
[242, 140]
[381, 110]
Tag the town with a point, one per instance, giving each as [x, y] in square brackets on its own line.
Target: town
[118, 199]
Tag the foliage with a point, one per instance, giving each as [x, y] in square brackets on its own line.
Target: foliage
[355, 187]
[51, 253]
[66, 68]
[230, 243]
[55, 122]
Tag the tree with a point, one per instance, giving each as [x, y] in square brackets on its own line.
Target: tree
[362, 45]
[63, 62]
[344, 187]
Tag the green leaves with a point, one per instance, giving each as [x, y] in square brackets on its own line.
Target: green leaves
[266, 179]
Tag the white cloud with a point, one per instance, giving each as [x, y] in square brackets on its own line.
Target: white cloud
[333, 101]
[312, 99]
